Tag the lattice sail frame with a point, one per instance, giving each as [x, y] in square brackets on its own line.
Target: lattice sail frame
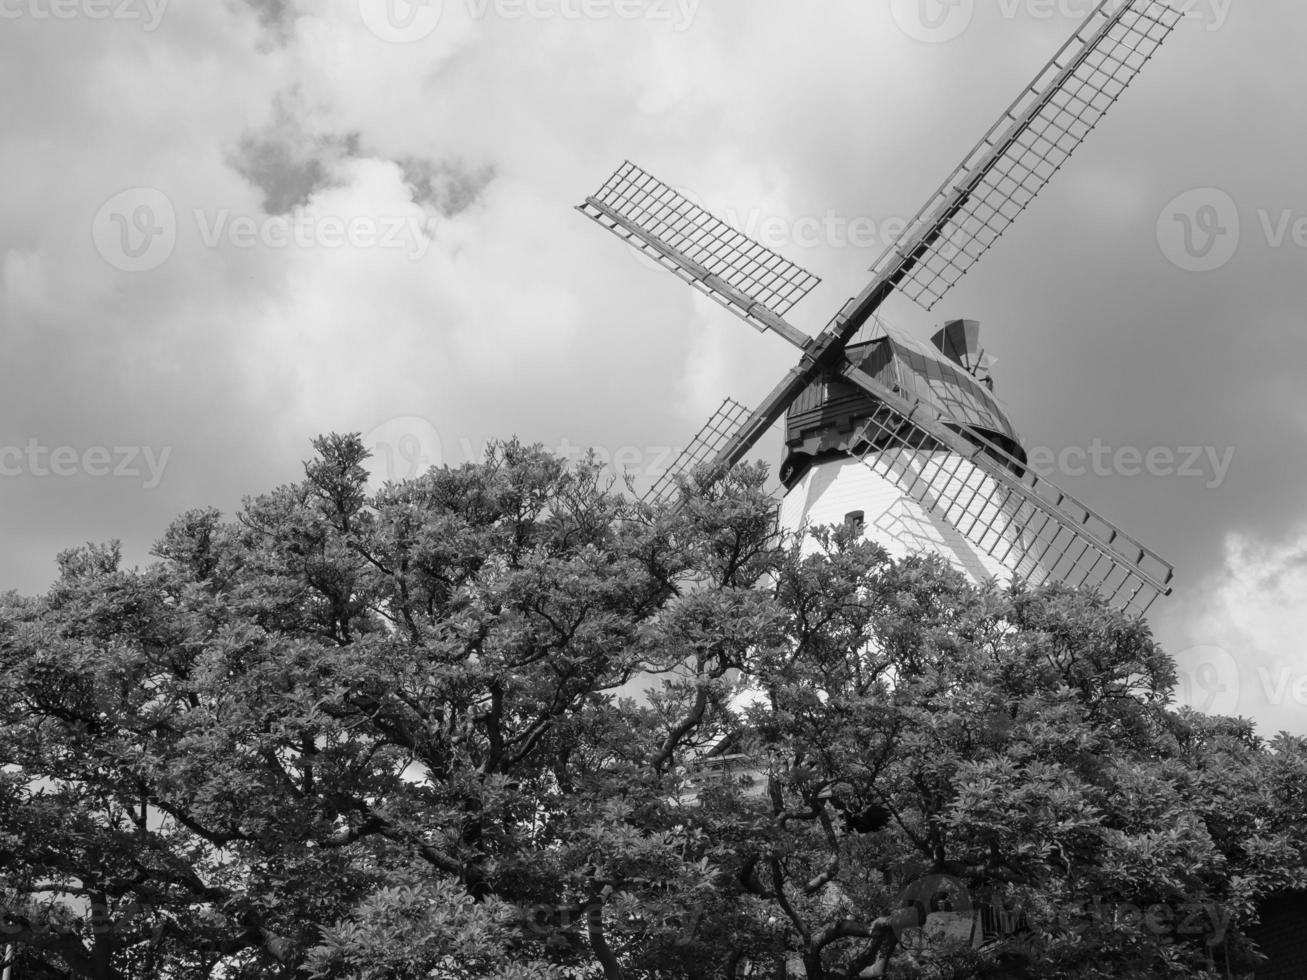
[1025, 523]
[701, 451]
[979, 201]
[749, 279]
[1052, 117]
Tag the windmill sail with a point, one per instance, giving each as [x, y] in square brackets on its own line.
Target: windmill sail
[702, 449]
[1025, 148]
[992, 186]
[948, 467]
[749, 279]
[1024, 522]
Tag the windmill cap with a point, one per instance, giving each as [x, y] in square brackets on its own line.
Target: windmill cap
[959, 341]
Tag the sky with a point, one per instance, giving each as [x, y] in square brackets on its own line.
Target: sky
[230, 226]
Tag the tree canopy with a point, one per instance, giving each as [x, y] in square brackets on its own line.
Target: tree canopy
[501, 722]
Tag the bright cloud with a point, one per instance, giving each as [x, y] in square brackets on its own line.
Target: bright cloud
[1246, 635]
[366, 211]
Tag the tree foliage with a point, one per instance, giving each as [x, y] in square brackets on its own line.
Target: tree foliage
[403, 735]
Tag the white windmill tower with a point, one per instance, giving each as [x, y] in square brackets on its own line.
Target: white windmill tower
[906, 437]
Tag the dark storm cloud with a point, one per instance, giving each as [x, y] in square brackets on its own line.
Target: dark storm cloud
[276, 15]
[288, 164]
[448, 187]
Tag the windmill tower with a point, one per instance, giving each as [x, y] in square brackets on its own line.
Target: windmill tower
[836, 472]
[879, 428]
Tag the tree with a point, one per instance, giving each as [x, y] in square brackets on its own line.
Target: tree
[399, 735]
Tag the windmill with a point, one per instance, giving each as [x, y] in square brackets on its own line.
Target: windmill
[907, 439]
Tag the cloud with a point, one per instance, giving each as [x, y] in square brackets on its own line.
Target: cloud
[507, 313]
[1243, 634]
[445, 184]
[275, 15]
[286, 162]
